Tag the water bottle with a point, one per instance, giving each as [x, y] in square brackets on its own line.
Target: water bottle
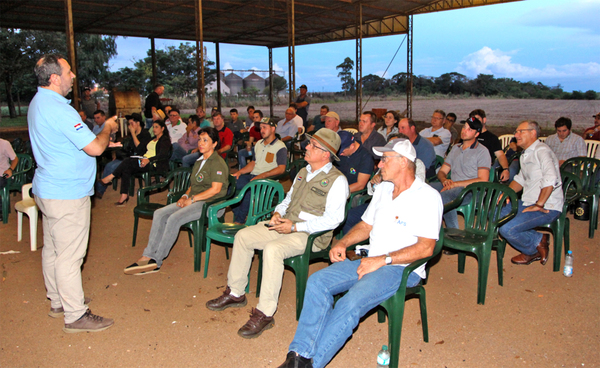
[568, 270]
[383, 357]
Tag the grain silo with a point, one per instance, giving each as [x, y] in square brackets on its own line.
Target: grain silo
[254, 80]
[235, 83]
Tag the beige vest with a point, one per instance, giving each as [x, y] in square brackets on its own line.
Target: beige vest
[266, 156]
[312, 198]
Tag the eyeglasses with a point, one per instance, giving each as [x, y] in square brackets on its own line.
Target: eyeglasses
[384, 159]
[437, 118]
[520, 131]
[173, 115]
[315, 146]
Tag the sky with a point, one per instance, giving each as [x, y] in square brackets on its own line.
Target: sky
[549, 41]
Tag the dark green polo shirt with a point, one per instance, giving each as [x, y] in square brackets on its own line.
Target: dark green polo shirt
[214, 170]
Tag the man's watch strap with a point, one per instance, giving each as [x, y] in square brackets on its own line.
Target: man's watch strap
[388, 260]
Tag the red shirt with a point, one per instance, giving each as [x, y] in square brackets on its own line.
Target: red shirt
[595, 135]
[254, 132]
[226, 138]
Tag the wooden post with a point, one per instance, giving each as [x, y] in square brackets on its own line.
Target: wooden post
[153, 56]
[200, 54]
[70, 33]
[218, 65]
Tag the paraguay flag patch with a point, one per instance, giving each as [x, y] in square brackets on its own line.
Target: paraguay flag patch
[219, 172]
[78, 126]
[299, 178]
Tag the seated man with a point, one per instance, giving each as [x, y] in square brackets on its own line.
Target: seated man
[8, 164]
[270, 160]
[188, 141]
[204, 122]
[175, 125]
[225, 137]
[424, 148]
[437, 134]
[236, 125]
[332, 121]
[99, 119]
[250, 119]
[564, 144]
[470, 163]
[593, 133]
[367, 135]
[402, 224]
[319, 120]
[314, 203]
[355, 162]
[449, 126]
[287, 128]
[254, 136]
[542, 199]
[493, 145]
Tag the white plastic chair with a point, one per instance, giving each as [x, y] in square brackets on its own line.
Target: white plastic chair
[592, 147]
[505, 140]
[542, 139]
[351, 130]
[27, 206]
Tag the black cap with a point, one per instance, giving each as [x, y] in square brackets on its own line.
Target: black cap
[475, 124]
[304, 86]
[135, 116]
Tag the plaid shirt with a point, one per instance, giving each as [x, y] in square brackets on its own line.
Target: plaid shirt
[572, 146]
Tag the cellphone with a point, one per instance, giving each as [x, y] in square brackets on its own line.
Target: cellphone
[269, 225]
[5, 176]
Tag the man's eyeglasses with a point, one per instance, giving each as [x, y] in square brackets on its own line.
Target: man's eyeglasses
[520, 131]
[315, 146]
[384, 159]
[173, 115]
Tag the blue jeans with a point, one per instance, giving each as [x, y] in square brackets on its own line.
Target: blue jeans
[240, 210]
[243, 156]
[190, 160]
[451, 217]
[178, 152]
[108, 169]
[149, 123]
[519, 231]
[323, 329]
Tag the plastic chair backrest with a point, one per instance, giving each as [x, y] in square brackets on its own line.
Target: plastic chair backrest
[351, 130]
[264, 194]
[586, 169]
[20, 174]
[592, 147]
[482, 211]
[180, 183]
[505, 140]
[25, 191]
[571, 186]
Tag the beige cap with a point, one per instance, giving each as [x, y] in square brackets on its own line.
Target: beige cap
[334, 115]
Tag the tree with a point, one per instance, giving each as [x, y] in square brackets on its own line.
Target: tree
[348, 84]
[373, 83]
[21, 49]
[279, 84]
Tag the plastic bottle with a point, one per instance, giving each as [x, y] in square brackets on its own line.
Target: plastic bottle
[383, 357]
[568, 270]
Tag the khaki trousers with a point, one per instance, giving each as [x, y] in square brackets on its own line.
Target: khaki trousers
[66, 225]
[276, 247]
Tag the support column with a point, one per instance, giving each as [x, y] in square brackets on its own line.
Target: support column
[200, 55]
[409, 67]
[359, 32]
[271, 81]
[153, 56]
[291, 51]
[70, 33]
[218, 66]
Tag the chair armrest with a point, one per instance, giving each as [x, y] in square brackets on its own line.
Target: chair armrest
[214, 208]
[142, 192]
[455, 203]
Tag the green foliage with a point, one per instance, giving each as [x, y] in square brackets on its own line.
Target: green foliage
[279, 84]
[348, 83]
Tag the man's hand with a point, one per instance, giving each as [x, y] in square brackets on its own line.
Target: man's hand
[376, 179]
[144, 162]
[535, 208]
[8, 173]
[112, 124]
[283, 226]
[504, 176]
[237, 174]
[370, 264]
[184, 201]
[337, 253]
[448, 184]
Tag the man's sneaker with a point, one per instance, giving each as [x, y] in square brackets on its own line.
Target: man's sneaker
[139, 267]
[59, 312]
[89, 323]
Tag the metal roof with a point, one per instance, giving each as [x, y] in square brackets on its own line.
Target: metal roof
[249, 22]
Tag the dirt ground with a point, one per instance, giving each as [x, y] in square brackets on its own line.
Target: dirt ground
[539, 318]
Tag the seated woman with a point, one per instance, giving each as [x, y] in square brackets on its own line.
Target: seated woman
[135, 145]
[158, 152]
[390, 125]
[210, 179]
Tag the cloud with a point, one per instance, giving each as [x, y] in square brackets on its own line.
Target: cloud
[277, 68]
[499, 63]
[227, 66]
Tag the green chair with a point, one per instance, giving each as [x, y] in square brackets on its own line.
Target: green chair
[394, 306]
[571, 186]
[265, 194]
[588, 171]
[198, 227]
[180, 180]
[292, 167]
[480, 236]
[439, 161]
[15, 183]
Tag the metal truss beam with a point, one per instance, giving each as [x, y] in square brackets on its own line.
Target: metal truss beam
[455, 4]
[409, 68]
[359, 33]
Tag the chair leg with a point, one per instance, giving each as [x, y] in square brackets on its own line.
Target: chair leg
[5, 205]
[593, 216]
[197, 249]
[483, 270]
[33, 222]
[423, 304]
[20, 225]
[557, 231]
[301, 279]
[226, 252]
[500, 249]
[461, 261]
[380, 315]
[567, 236]
[135, 226]
[259, 277]
[395, 327]
[206, 256]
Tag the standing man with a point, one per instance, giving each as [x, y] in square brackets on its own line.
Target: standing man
[402, 225]
[593, 132]
[564, 144]
[153, 104]
[315, 202]
[302, 105]
[469, 162]
[492, 143]
[270, 159]
[424, 148]
[8, 164]
[89, 104]
[437, 134]
[542, 199]
[63, 184]
[367, 136]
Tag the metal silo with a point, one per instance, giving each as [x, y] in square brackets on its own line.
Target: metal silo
[254, 80]
[235, 83]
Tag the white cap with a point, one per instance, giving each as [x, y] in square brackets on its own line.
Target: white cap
[401, 146]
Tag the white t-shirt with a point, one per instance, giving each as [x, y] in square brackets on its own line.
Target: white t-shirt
[443, 134]
[398, 223]
[177, 131]
[298, 120]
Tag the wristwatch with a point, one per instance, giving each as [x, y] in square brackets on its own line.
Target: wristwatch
[388, 260]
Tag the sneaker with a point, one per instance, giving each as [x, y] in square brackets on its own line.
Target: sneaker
[142, 266]
[59, 312]
[89, 323]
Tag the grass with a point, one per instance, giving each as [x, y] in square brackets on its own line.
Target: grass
[19, 121]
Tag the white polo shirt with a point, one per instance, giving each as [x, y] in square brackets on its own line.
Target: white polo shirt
[398, 223]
